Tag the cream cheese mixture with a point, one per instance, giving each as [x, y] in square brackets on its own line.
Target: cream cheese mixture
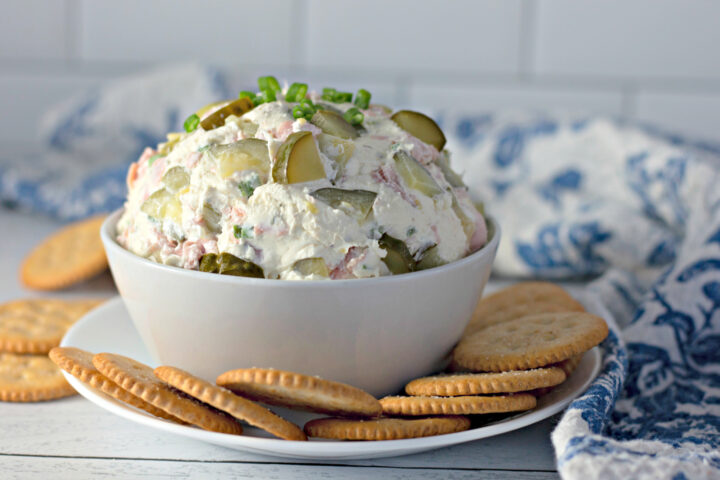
[325, 190]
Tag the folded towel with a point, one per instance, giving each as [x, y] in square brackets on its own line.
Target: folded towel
[578, 199]
[633, 210]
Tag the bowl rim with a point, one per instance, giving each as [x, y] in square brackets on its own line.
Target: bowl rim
[110, 243]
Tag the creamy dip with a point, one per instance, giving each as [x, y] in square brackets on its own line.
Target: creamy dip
[191, 197]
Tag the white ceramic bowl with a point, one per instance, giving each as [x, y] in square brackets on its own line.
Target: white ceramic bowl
[375, 333]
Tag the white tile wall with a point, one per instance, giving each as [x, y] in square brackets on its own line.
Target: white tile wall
[653, 60]
[441, 35]
[223, 31]
[519, 96]
[636, 38]
[33, 29]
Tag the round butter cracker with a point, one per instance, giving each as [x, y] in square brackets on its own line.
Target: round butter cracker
[139, 380]
[78, 363]
[303, 392]
[384, 428]
[485, 383]
[31, 378]
[70, 255]
[530, 342]
[230, 403]
[37, 325]
[465, 405]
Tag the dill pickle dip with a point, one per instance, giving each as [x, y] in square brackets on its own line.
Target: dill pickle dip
[286, 184]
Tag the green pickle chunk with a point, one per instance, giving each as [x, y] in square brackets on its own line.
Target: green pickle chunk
[311, 266]
[398, 258]
[333, 123]
[420, 126]
[355, 203]
[217, 118]
[430, 259]
[229, 264]
[298, 160]
[415, 175]
[176, 178]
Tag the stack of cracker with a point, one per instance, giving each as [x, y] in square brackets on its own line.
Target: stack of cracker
[520, 343]
[28, 330]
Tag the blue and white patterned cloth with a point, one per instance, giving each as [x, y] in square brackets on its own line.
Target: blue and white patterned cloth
[635, 211]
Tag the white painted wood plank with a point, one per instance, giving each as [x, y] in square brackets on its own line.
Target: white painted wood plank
[76, 428]
[74, 469]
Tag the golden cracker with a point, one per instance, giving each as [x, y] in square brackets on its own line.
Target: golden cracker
[568, 366]
[385, 428]
[530, 342]
[71, 255]
[485, 383]
[228, 402]
[78, 363]
[140, 380]
[304, 392]
[37, 325]
[465, 405]
[31, 378]
[520, 300]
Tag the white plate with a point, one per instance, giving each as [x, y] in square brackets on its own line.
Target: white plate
[109, 329]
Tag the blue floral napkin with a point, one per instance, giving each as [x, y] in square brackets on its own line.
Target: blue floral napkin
[633, 211]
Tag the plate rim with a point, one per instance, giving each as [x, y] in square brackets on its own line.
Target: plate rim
[317, 448]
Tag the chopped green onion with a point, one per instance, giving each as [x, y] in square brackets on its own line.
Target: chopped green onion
[298, 112]
[411, 231]
[328, 94]
[362, 98]
[246, 94]
[305, 109]
[242, 232]
[152, 159]
[268, 83]
[354, 116]
[296, 92]
[342, 97]
[248, 186]
[203, 148]
[191, 123]
[267, 95]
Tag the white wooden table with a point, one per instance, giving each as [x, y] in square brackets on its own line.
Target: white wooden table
[74, 439]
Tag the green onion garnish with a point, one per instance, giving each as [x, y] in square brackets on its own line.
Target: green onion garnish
[362, 98]
[242, 232]
[268, 83]
[305, 109]
[191, 123]
[296, 92]
[246, 94]
[354, 116]
[328, 94]
[342, 97]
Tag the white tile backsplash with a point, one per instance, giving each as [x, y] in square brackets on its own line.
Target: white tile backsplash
[223, 31]
[33, 29]
[696, 114]
[655, 60]
[439, 35]
[514, 97]
[628, 38]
